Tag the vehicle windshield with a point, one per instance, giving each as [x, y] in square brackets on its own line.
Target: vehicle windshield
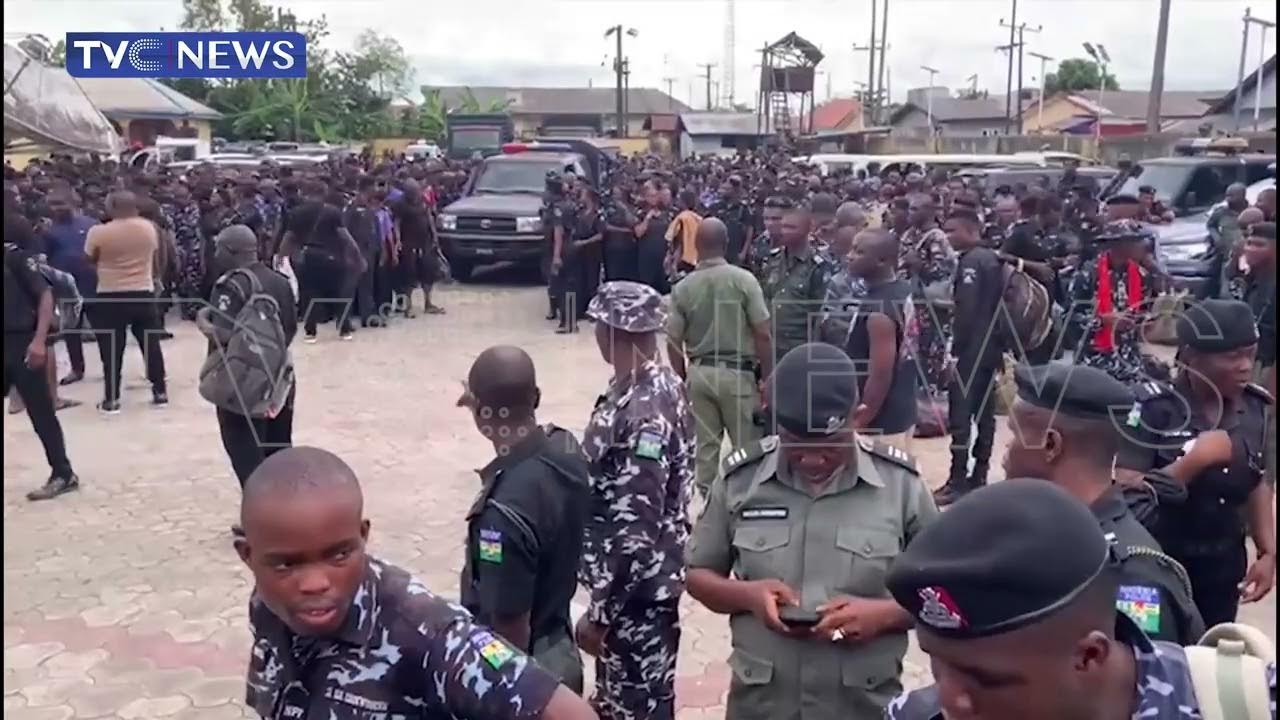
[1168, 180]
[514, 177]
[475, 138]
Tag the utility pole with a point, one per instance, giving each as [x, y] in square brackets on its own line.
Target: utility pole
[1265, 25]
[1101, 59]
[1157, 72]
[619, 69]
[1044, 61]
[727, 79]
[870, 96]
[708, 67]
[670, 81]
[1019, 45]
[884, 45]
[626, 92]
[929, 104]
[1008, 84]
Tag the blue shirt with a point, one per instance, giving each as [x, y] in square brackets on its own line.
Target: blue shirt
[65, 248]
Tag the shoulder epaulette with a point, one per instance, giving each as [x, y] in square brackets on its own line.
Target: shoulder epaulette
[1261, 392]
[885, 451]
[749, 453]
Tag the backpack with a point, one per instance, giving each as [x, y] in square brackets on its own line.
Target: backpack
[1229, 672]
[1028, 309]
[250, 372]
[68, 305]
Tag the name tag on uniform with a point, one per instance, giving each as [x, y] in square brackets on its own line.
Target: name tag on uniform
[765, 513]
[1142, 604]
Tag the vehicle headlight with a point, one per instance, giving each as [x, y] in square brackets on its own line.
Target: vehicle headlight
[528, 224]
[448, 222]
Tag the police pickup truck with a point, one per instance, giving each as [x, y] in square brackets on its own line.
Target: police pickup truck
[497, 218]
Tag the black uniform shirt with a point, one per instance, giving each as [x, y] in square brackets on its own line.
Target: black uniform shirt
[23, 286]
[1155, 591]
[979, 288]
[1260, 293]
[1210, 522]
[524, 534]
[402, 652]
[898, 413]
[315, 224]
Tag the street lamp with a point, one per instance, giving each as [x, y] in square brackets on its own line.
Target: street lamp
[929, 96]
[1101, 59]
[618, 68]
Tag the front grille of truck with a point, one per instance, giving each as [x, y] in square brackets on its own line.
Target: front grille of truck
[487, 224]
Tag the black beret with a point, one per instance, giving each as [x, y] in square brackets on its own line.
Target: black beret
[813, 390]
[1074, 390]
[989, 566]
[1215, 326]
[1147, 190]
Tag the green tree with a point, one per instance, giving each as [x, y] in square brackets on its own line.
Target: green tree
[1076, 74]
[382, 59]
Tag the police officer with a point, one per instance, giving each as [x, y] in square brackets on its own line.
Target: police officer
[793, 545]
[640, 445]
[1022, 623]
[795, 282]
[524, 529]
[719, 325]
[1064, 429]
[1108, 302]
[337, 633]
[28, 314]
[1208, 431]
[554, 218]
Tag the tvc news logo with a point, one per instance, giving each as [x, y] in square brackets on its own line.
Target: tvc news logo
[187, 55]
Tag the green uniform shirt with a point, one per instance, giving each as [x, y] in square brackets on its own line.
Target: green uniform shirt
[795, 287]
[759, 524]
[713, 310]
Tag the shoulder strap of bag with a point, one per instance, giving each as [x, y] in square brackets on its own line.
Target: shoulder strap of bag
[1228, 673]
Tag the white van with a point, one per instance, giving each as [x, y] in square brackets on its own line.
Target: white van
[423, 151]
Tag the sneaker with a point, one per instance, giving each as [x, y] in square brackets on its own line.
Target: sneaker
[109, 407]
[54, 487]
[159, 397]
[73, 377]
[310, 339]
[347, 336]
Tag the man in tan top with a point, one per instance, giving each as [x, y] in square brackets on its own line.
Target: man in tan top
[123, 251]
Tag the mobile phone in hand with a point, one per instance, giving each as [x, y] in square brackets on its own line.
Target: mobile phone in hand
[798, 618]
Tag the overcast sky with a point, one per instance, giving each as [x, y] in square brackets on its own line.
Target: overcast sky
[562, 43]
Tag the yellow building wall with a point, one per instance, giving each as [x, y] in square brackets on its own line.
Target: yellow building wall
[1056, 110]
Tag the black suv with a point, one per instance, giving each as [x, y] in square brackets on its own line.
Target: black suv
[497, 218]
[1190, 186]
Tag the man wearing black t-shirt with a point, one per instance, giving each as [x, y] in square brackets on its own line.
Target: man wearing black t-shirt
[878, 343]
[327, 260]
[418, 262]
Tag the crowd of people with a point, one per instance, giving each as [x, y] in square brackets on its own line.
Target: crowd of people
[820, 322]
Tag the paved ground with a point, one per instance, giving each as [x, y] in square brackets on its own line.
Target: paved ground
[126, 599]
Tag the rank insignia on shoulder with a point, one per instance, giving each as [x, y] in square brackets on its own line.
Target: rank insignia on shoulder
[1142, 604]
[491, 546]
[888, 452]
[494, 651]
[749, 453]
[649, 445]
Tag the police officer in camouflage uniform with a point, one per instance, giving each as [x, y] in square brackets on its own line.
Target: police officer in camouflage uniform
[1064, 429]
[793, 545]
[640, 445]
[339, 634]
[795, 283]
[1022, 623]
[1109, 298]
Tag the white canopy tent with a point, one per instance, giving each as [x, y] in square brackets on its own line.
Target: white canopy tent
[45, 105]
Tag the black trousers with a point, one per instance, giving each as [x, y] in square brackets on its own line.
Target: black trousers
[249, 441]
[33, 388]
[367, 305]
[651, 256]
[573, 287]
[1215, 582]
[964, 409]
[323, 286]
[117, 315]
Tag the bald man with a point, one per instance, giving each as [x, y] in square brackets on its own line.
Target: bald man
[717, 340]
[336, 631]
[524, 529]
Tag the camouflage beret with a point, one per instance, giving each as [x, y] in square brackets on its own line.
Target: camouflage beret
[628, 306]
[1124, 230]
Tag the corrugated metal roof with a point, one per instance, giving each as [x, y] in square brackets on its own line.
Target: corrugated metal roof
[720, 123]
[1133, 103]
[563, 101]
[143, 98]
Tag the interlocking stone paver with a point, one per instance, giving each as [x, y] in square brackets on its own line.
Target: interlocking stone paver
[128, 597]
